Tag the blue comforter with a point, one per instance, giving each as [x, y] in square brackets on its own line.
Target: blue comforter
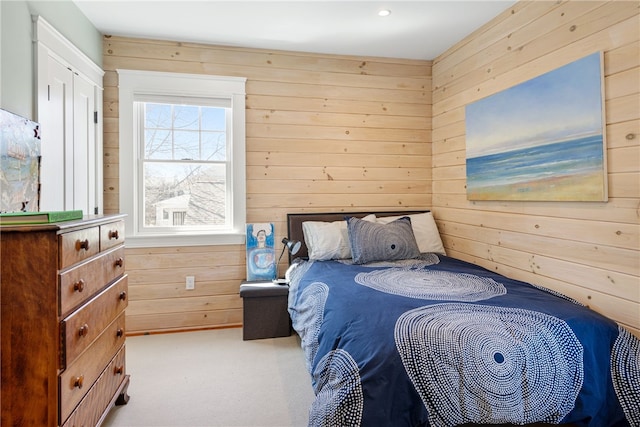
[438, 341]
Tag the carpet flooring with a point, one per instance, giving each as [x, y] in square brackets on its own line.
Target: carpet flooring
[213, 378]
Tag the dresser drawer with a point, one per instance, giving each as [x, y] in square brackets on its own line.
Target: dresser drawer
[80, 283]
[111, 235]
[77, 379]
[99, 397]
[81, 328]
[78, 245]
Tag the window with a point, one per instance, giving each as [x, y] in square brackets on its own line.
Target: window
[182, 158]
[184, 163]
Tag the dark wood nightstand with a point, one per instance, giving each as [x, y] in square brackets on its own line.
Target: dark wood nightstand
[265, 310]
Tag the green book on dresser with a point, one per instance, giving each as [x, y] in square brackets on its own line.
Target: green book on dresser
[39, 217]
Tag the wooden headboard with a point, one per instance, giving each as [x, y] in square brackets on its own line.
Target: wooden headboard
[295, 220]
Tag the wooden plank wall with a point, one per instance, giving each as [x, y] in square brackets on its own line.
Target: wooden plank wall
[589, 251]
[324, 133]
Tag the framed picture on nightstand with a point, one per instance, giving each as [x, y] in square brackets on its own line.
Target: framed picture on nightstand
[261, 255]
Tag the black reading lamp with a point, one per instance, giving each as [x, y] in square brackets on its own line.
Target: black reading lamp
[293, 246]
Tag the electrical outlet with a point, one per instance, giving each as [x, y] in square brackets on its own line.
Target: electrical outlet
[190, 283]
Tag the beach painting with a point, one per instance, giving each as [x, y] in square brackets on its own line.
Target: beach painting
[542, 140]
[19, 163]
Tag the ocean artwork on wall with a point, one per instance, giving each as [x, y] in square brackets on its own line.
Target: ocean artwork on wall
[19, 163]
[542, 140]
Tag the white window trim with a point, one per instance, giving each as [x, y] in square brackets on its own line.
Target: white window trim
[136, 82]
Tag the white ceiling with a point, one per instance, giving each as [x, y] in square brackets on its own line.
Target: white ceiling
[418, 29]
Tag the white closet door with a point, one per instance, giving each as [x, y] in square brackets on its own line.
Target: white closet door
[56, 124]
[69, 94]
[84, 142]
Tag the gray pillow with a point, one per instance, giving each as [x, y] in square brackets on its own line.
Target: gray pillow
[372, 241]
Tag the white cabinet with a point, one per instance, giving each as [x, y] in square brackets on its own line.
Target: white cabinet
[69, 111]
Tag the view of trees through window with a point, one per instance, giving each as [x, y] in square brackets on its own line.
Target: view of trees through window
[185, 165]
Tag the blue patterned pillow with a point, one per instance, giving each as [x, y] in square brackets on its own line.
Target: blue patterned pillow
[372, 241]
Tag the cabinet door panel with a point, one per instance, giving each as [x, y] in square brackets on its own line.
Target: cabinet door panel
[83, 145]
[57, 130]
[69, 165]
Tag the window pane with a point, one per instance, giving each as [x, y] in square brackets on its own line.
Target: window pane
[186, 145]
[184, 194]
[157, 116]
[185, 141]
[186, 117]
[214, 146]
[157, 144]
[213, 118]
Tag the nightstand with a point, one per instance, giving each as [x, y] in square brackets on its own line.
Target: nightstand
[265, 313]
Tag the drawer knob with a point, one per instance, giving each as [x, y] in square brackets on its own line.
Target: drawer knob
[120, 333]
[79, 285]
[78, 381]
[83, 331]
[123, 295]
[119, 262]
[113, 234]
[82, 244]
[118, 370]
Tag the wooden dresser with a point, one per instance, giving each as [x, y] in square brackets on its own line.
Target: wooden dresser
[64, 292]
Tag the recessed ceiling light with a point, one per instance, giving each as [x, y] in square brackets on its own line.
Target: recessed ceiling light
[384, 12]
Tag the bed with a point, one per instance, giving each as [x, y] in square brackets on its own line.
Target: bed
[392, 337]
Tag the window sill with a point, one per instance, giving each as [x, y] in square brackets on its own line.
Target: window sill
[201, 239]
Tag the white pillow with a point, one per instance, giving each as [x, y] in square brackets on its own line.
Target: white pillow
[328, 240]
[425, 230]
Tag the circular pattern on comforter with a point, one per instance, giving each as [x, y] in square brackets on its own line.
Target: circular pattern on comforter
[308, 317]
[424, 260]
[431, 284]
[625, 374]
[339, 399]
[485, 364]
